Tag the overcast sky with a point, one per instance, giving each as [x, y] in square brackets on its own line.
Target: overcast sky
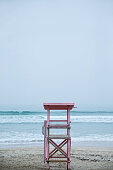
[56, 51]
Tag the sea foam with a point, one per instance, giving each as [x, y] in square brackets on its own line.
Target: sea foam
[40, 118]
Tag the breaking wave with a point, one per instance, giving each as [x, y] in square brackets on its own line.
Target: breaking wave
[40, 118]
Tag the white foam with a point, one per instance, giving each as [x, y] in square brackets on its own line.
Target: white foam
[41, 118]
[106, 119]
[30, 138]
[93, 137]
[20, 137]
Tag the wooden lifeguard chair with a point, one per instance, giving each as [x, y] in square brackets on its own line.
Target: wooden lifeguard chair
[49, 156]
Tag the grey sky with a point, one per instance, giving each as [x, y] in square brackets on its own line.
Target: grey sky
[56, 51]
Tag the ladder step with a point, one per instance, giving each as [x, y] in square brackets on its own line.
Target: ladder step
[58, 121]
[57, 160]
[59, 126]
[58, 137]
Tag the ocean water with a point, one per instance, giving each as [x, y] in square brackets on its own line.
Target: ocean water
[25, 128]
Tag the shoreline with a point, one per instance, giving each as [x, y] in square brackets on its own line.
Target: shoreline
[89, 144]
[31, 158]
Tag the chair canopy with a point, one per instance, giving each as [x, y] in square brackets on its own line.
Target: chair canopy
[58, 106]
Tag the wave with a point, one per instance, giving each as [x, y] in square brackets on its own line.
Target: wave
[93, 138]
[92, 111]
[19, 112]
[26, 112]
[20, 138]
[41, 118]
[29, 138]
[102, 119]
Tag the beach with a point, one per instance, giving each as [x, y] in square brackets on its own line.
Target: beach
[21, 140]
[31, 158]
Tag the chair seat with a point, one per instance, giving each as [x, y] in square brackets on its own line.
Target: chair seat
[59, 126]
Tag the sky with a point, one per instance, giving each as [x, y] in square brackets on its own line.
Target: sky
[56, 51]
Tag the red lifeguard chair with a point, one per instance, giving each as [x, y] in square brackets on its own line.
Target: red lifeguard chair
[49, 156]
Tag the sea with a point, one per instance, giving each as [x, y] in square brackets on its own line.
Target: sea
[24, 128]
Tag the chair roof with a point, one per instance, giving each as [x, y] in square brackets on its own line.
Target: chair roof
[58, 106]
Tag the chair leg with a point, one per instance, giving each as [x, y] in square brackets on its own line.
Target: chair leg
[68, 165]
[47, 165]
[68, 151]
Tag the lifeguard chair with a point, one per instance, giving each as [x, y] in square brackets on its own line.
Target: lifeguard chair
[49, 156]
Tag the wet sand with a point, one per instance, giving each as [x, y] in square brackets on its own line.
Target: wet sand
[31, 158]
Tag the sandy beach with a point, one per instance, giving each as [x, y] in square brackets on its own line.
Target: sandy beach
[31, 158]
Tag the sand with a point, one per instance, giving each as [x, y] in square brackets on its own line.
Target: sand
[31, 158]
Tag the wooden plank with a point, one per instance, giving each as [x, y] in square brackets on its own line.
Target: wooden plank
[58, 137]
[59, 126]
[58, 120]
[58, 157]
[57, 160]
